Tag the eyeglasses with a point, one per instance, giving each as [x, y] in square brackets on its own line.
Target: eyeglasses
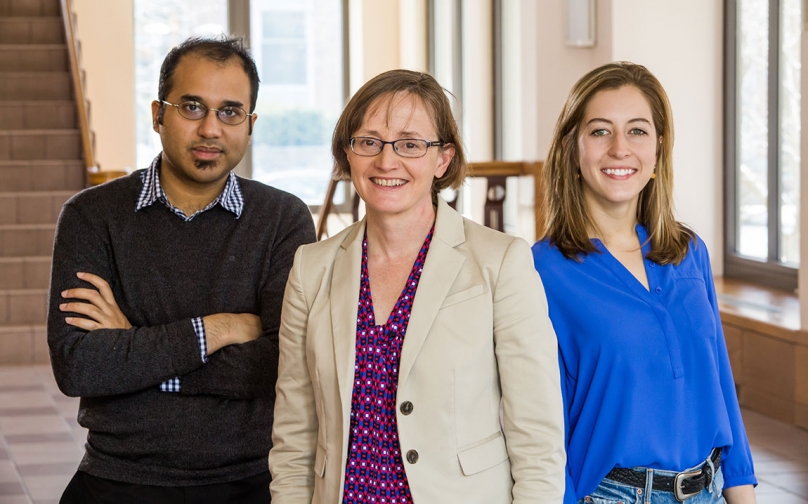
[195, 111]
[404, 147]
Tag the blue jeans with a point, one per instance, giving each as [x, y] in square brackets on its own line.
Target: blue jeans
[611, 492]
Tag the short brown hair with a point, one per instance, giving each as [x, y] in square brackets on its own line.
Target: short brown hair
[568, 222]
[387, 85]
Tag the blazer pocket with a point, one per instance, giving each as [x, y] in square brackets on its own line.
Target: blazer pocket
[459, 297]
[483, 456]
[319, 461]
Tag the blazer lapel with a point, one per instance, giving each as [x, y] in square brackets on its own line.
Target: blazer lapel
[344, 297]
[442, 266]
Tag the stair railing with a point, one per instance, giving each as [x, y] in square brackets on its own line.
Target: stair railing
[78, 90]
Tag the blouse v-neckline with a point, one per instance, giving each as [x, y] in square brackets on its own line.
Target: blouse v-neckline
[621, 272]
[407, 294]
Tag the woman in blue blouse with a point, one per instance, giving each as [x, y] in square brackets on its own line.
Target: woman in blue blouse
[650, 404]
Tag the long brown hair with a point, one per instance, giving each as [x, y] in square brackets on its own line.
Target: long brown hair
[567, 220]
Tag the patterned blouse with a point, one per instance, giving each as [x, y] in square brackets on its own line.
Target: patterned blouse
[375, 471]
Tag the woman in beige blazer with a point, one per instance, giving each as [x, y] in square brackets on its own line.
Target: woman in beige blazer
[457, 397]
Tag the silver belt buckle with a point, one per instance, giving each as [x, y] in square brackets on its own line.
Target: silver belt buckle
[677, 485]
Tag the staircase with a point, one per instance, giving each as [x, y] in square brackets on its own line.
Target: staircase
[40, 167]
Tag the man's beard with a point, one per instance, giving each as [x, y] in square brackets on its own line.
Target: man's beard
[204, 164]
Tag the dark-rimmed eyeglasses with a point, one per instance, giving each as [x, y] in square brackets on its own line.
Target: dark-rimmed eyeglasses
[404, 147]
[194, 111]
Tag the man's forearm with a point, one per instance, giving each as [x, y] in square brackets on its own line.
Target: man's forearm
[118, 361]
[223, 329]
[244, 371]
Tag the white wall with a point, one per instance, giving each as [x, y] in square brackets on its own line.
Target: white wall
[559, 66]
[382, 37]
[548, 70]
[106, 33]
[681, 43]
[413, 28]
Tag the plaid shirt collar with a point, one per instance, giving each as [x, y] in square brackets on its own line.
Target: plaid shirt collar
[231, 197]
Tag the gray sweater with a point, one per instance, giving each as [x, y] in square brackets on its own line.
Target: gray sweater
[163, 272]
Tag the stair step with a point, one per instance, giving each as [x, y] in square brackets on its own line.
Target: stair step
[33, 58]
[31, 272]
[32, 207]
[41, 175]
[29, 8]
[31, 30]
[23, 306]
[40, 144]
[24, 344]
[18, 240]
[39, 114]
[35, 86]
[40, 168]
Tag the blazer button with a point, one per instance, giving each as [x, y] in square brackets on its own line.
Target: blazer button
[412, 456]
[406, 407]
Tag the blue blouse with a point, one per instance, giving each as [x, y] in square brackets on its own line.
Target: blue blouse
[645, 374]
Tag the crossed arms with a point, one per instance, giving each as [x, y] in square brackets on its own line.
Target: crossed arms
[106, 340]
[102, 312]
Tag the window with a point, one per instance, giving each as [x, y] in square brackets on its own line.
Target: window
[283, 44]
[298, 49]
[159, 26]
[763, 140]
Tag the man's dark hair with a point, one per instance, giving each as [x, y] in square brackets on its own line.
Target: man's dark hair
[215, 49]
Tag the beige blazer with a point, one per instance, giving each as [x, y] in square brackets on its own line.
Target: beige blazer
[479, 367]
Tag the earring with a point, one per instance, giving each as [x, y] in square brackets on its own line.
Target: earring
[653, 175]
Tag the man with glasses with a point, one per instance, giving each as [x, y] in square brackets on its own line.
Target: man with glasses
[165, 300]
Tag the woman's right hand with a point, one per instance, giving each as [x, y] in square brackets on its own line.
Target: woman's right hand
[743, 494]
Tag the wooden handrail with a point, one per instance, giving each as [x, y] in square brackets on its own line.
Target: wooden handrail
[78, 89]
[504, 168]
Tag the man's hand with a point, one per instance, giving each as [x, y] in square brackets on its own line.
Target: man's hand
[101, 309]
[222, 329]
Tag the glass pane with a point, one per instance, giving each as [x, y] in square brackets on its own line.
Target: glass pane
[159, 26]
[284, 63]
[790, 30]
[752, 117]
[288, 24]
[298, 48]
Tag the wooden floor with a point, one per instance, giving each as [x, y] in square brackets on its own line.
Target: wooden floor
[41, 444]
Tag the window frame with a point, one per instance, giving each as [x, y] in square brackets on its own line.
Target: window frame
[771, 271]
[239, 25]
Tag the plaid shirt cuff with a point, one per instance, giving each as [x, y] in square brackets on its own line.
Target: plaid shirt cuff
[199, 329]
[174, 385]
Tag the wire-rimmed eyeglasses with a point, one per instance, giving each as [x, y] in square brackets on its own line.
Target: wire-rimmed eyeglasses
[404, 147]
[195, 111]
